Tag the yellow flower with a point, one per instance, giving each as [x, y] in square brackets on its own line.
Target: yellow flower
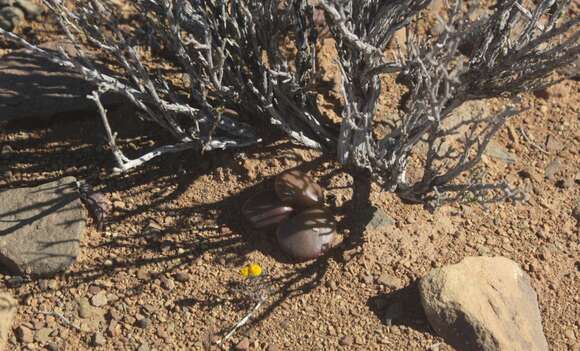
[255, 270]
[245, 271]
[252, 270]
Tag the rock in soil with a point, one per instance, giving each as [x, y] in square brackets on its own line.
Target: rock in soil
[389, 281]
[379, 219]
[98, 339]
[243, 345]
[483, 303]
[100, 299]
[346, 340]
[24, 335]
[498, 152]
[41, 227]
[552, 168]
[7, 312]
[43, 335]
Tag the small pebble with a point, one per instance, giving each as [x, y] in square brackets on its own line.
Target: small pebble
[15, 282]
[98, 339]
[142, 274]
[389, 281]
[346, 340]
[52, 284]
[114, 314]
[167, 283]
[99, 299]
[243, 345]
[331, 284]
[43, 335]
[181, 277]
[143, 323]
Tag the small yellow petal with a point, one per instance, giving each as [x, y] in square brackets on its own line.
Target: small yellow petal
[245, 271]
[255, 270]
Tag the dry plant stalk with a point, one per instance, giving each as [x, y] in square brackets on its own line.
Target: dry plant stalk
[233, 56]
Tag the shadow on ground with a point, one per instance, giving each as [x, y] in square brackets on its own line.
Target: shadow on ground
[70, 146]
[401, 307]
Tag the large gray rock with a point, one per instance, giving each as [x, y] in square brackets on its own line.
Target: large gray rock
[7, 312]
[483, 303]
[41, 227]
[33, 87]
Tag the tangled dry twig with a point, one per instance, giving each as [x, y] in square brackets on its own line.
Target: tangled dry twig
[233, 55]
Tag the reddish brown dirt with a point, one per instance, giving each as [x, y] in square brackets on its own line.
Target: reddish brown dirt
[180, 278]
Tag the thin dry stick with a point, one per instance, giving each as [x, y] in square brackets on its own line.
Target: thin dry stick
[123, 161]
[62, 318]
[529, 140]
[242, 321]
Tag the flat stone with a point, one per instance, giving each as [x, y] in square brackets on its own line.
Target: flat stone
[483, 303]
[379, 219]
[41, 227]
[7, 311]
[498, 152]
[33, 87]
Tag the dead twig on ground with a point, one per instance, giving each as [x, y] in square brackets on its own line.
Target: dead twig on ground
[62, 318]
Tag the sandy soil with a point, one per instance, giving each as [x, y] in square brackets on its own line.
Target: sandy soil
[169, 259]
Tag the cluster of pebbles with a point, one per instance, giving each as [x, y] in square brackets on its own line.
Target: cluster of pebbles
[304, 227]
